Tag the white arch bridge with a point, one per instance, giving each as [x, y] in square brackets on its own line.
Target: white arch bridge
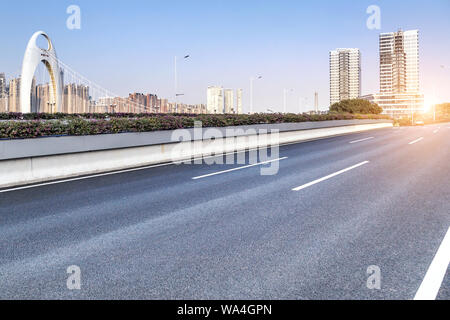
[61, 98]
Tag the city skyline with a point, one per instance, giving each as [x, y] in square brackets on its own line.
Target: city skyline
[290, 54]
[399, 84]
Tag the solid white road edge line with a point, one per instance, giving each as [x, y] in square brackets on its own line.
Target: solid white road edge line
[84, 178]
[415, 141]
[330, 176]
[235, 169]
[361, 140]
[112, 173]
[431, 284]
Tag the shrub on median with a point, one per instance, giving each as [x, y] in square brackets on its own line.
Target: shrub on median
[24, 126]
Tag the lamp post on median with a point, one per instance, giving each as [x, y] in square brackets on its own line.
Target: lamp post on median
[176, 81]
[252, 79]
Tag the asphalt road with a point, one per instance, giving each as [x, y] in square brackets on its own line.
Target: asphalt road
[160, 234]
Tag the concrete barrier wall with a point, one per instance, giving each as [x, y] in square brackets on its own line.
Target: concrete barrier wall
[25, 148]
[21, 171]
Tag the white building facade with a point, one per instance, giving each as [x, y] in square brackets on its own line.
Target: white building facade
[215, 100]
[399, 74]
[3, 93]
[223, 101]
[399, 62]
[239, 109]
[345, 74]
[228, 95]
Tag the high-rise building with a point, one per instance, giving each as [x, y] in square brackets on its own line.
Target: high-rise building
[152, 102]
[76, 98]
[239, 101]
[214, 100]
[399, 62]
[106, 104]
[3, 93]
[2, 84]
[33, 97]
[43, 98]
[228, 95]
[14, 95]
[116, 104]
[199, 109]
[138, 102]
[164, 105]
[399, 74]
[345, 74]
[4, 104]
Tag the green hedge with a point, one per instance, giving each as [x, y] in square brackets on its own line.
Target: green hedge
[45, 125]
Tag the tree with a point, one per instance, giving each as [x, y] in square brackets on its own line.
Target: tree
[356, 106]
[443, 110]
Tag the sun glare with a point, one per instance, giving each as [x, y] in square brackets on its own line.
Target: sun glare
[428, 105]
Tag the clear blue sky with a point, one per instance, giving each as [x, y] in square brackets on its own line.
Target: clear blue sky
[129, 46]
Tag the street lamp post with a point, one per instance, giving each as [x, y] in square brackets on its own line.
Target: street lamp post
[176, 81]
[251, 91]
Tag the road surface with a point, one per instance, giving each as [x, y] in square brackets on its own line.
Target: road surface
[336, 207]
